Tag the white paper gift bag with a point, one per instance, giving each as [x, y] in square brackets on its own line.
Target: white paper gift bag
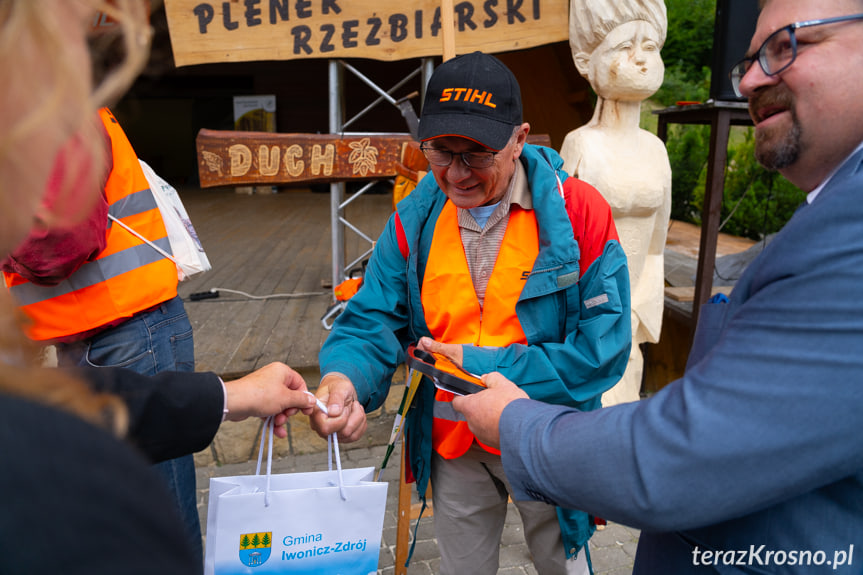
[326, 522]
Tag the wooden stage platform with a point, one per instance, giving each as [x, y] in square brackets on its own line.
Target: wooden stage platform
[267, 244]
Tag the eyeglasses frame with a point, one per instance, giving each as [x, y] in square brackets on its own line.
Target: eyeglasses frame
[452, 155]
[761, 58]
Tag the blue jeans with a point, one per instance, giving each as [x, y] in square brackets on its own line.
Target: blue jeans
[150, 343]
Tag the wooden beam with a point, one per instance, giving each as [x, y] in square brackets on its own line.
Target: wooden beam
[447, 16]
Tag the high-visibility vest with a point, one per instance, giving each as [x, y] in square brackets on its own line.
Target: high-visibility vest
[128, 276]
[453, 313]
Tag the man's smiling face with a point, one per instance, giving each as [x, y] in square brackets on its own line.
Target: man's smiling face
[469, 187]
[809, 117]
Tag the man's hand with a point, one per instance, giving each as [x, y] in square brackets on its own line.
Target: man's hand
[483, 409]
[275, 389]
[452, 351]
[346, 416]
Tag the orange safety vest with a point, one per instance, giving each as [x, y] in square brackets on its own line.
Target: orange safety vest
[453, 314]
[128, 276]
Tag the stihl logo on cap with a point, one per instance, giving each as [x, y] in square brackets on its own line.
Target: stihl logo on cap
[467, 95]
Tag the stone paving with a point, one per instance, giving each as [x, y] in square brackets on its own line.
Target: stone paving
[612, 549]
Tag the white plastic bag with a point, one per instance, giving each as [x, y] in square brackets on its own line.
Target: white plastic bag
[188, 253]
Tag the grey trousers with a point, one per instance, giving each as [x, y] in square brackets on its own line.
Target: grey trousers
[470, 495]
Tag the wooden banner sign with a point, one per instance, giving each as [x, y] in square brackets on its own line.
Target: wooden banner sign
[211, 31]
[227, 158]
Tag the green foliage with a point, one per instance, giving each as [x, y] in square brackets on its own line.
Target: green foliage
[678, 86]
[689, 45]
[244, 542]
[756, 202]
[687, 152]
[687, 54]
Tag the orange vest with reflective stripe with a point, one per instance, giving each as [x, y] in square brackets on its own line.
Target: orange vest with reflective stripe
[452, 310]
[128, 276]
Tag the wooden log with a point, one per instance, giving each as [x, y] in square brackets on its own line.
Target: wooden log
[233, 158]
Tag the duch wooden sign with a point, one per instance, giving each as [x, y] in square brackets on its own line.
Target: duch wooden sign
[227, 158]
[212, 31]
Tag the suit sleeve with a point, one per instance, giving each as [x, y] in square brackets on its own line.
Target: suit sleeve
[170, 414]
[770, 412]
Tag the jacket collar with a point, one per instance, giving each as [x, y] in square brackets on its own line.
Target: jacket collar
[849, 167]
[546, 176]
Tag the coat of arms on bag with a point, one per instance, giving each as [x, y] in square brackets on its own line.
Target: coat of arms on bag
[255, 548]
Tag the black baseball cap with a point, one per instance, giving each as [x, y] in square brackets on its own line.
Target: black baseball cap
[472, 96]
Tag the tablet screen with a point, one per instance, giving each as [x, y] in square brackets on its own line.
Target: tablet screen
[445, 374]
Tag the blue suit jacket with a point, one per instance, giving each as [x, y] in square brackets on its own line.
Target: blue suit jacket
[759, 447]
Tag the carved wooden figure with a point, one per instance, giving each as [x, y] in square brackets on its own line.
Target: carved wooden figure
[616, 46]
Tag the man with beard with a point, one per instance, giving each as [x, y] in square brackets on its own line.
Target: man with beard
[753, 461]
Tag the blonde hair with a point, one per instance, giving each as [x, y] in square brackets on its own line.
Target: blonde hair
[37, 55]
[53, 82]
[590, 21]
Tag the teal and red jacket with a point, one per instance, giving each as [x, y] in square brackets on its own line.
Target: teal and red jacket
[574, 309]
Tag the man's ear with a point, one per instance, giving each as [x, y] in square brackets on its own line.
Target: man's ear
[582, 64]
[521, 138]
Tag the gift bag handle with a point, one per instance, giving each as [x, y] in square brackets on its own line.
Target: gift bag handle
[267, 431]
[332, 445]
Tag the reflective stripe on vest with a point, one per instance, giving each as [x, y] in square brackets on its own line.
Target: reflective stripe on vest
[452, 310]
[128, 276]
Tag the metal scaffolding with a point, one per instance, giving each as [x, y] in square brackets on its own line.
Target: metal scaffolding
[338, 125]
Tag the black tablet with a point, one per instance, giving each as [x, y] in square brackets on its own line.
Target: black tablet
[445, 374]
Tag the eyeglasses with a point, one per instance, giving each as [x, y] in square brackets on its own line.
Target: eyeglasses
[779, 51]
[475, 160]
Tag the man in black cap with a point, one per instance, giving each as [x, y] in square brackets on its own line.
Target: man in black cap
[500, 262]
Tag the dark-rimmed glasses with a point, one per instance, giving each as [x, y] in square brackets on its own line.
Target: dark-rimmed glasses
[779, 51]
[475, 160]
